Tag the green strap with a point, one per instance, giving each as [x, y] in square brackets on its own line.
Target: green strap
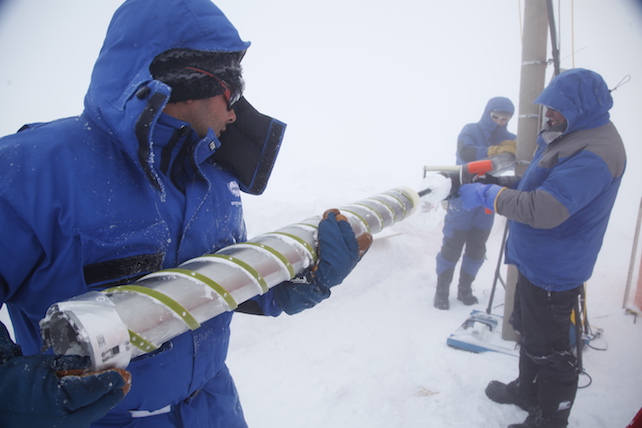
[249, 269]
[164, 299]
[210, 283]
[307, 246]
[361, 219]
[381, 222]
[313, 226]
[141, 343]
[403, 206]
[381, 201]
[410, 199]
[275, 253]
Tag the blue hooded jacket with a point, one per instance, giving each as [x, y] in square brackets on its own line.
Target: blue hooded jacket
[120, 191]
[472, 144]
[561, 208]
[485, 133]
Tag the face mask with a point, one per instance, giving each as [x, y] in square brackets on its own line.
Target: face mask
[249, 147]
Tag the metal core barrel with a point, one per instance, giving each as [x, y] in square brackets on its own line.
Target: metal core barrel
[119, 323]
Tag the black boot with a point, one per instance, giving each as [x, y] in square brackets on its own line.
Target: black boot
[536, 419]
[557, 389]
[443, 289]
[465, 289]
[511, 393]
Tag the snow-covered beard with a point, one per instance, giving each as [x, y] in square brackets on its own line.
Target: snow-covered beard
[551, 133]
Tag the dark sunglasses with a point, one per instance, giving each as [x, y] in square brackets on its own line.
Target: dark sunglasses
[230, 97]
[498, 117]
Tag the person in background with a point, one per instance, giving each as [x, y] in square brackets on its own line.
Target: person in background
[470, 229]
[558, 214]
[148, 176]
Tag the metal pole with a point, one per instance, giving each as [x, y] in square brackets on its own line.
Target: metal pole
[533, 75]
[629, 277]
[554, 44]
[498, 275]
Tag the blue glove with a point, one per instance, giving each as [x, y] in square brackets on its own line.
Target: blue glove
[34, 395]
[479, 195]
[339, 252]
[299, 294]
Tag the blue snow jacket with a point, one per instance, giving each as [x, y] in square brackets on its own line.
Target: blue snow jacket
[120, 191]
[561, 208]
[472, 144]
[478, 137]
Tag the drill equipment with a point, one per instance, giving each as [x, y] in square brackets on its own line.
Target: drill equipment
[117, 324]
[458, 174]
[466, 173]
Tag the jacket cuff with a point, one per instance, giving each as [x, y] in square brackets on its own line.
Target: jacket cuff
[490, 196]
[295, 297]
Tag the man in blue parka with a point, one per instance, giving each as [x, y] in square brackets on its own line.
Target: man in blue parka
[558, 216]
[144, 179]
[471, 228]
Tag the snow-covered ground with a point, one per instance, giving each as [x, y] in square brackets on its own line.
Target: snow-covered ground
[372, 91]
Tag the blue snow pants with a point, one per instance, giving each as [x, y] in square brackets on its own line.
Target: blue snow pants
[464, 228]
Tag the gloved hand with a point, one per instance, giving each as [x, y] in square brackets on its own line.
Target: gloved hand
[506, 146]
[34, 395]
[479, 195]
[485, 179]
[502, 180]
[338, 253]
[339, 249]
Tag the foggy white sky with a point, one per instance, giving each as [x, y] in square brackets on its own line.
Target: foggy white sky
[372, 91]
[371, 87]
